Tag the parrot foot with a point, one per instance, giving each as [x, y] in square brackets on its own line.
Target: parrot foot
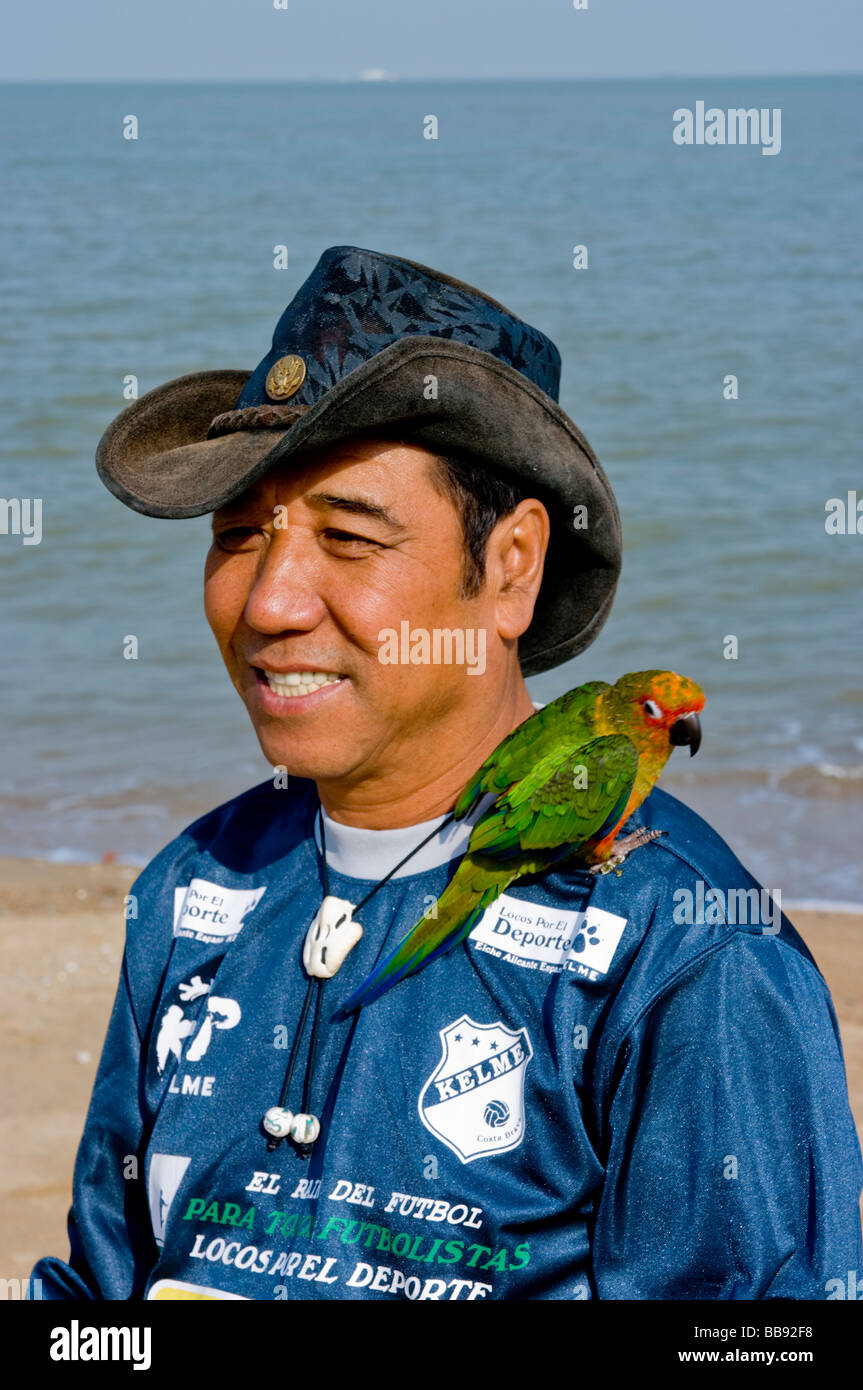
[624, 848]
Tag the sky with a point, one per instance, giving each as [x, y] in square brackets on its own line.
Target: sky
[336, 40]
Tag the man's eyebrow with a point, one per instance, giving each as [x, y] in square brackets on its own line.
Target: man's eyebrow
[230, 511]
[358, 506]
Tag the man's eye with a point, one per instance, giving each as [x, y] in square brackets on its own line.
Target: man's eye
[348, 538]
[237, 537]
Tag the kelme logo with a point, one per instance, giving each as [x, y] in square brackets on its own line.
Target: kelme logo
[474, 1099]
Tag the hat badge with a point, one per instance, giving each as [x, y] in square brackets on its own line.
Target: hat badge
[285, 377]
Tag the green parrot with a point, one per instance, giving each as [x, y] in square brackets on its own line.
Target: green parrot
[564, 781]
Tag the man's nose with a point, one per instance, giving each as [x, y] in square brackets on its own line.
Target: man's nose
[285, 595]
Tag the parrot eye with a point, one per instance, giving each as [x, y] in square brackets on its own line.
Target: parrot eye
[652, 710]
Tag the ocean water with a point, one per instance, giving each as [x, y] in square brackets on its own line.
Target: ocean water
[155, 257]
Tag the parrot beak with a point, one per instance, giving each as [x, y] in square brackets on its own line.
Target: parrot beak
[686, 730]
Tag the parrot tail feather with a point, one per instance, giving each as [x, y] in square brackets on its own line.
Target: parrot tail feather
[459, 909]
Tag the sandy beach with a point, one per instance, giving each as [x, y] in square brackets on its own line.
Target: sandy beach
[61, 939]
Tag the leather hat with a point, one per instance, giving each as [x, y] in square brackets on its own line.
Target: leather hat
[373, 344]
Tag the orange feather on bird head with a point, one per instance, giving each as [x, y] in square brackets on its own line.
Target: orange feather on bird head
[659, 711]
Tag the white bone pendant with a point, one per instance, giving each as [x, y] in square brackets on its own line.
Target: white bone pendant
[331, 937]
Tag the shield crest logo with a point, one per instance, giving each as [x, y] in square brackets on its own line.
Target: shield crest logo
[166, 1173]
[474, 1099]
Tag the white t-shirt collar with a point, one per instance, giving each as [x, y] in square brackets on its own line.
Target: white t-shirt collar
[358, 852]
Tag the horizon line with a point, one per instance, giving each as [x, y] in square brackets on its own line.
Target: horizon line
[395, 80]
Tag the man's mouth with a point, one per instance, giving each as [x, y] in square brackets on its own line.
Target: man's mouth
[292, 684]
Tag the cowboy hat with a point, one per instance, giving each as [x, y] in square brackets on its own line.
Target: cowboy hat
[373, 344]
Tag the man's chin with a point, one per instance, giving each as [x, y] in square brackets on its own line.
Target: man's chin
[317, 759]
[314, 770]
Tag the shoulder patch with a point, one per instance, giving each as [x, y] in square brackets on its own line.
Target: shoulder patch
[208, 912]
[547, 938]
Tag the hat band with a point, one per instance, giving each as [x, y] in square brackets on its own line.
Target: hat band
[255, 417]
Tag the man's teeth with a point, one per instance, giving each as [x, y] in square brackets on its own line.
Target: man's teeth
[290, 684]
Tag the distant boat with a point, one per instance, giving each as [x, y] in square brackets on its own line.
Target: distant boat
[378, 75]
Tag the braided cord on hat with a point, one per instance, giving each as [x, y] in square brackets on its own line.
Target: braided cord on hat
[255, 417]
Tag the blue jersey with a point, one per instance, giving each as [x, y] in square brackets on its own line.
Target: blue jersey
[618, 1086]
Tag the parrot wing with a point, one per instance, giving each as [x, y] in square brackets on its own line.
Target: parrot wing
[563, 722]
[474, 887]
[564, 802]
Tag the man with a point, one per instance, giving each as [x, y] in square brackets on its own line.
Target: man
[593, 1096]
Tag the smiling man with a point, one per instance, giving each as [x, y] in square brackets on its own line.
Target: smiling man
[591, 1096]
[309, 569]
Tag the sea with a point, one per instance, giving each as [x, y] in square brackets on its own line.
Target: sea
[711, 345]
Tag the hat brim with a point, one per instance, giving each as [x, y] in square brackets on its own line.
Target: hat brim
[155, 455]
[155, 458]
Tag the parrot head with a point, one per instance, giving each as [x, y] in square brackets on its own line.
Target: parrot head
[658, 710]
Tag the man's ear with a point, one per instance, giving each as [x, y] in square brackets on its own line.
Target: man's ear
[515, 556]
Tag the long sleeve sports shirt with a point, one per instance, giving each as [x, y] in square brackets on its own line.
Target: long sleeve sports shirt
[617, 1087]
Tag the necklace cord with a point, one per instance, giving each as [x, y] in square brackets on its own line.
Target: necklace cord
[394, 870]
[295, 1046]
[315, 985]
